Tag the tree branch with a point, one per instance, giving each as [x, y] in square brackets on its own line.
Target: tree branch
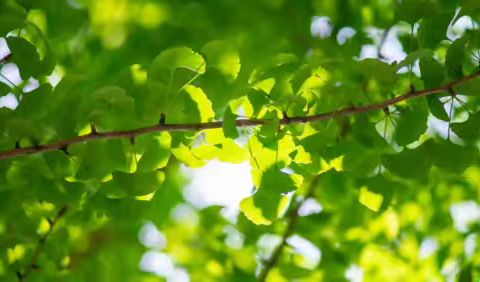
[218, 124]
[41, 242]
[292, 223]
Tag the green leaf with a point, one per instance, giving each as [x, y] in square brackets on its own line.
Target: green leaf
[183, 154]
[4, 89]
[432, 72]
[268, 202]
[222, 55]
[204, 105]
[465, 274]
[410, 11]
[470, 8]
[232, 153]
[292, 271]
[381, 186]
[455, 57]
[277, 181]
[382, 72]
[412, 123]
[433, 28]
[366, 133]
[66, 100]
[94, 164]
[136, 184]
[35, 104]
[302, 74]
[409, 42]
[271, 126]
[470, 88]
[164, 65]
[436, 108]
[410, 163]
[360, 160]
[413, 57]
[469, 130]
[229, 125]
[156, 154]
[258, 99]
[451, 157]
[109, 108]
[9, 23]
[25, 56]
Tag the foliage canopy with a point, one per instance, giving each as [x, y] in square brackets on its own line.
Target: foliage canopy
[387, 148]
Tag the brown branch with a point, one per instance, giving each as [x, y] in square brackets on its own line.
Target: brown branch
[292, 223]
[218, 124]
[41, 242]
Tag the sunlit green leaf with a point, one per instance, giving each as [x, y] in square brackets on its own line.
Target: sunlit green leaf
[165, 64]
[223, 56]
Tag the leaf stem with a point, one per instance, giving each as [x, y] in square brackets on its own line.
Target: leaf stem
[292, 223]
[218, 124]
[41, 242]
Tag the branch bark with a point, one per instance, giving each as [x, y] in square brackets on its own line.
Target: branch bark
[292, 223]
[218, 124]
[41, 242]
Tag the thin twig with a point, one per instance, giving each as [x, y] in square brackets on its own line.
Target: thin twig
[383, 40]
[8, 80]
[218, 124]
[292, 223]
[41, 242]
[450, 119]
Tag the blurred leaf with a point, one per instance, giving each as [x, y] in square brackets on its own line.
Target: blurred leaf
[387, 189]
[451, 157]
[465, 274]
[9, 23]
[411, 11]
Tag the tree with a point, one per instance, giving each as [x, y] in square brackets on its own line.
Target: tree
[386, 148]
